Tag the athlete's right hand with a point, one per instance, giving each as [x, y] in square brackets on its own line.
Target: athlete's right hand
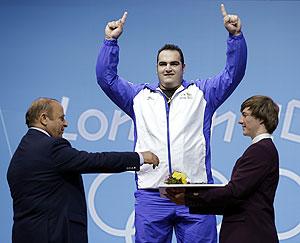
[114, 29]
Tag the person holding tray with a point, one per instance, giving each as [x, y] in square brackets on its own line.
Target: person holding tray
[246, 202]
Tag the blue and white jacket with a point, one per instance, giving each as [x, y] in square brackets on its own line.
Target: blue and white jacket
[178, 134]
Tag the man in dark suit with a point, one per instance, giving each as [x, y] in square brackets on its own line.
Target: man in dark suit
[45, 180]
[246, 202]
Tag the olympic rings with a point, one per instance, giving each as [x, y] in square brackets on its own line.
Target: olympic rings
[129, 230]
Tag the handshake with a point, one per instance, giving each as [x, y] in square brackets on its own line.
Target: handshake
[150, 158]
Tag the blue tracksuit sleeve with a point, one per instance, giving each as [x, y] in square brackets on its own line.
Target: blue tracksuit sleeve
[220, 87]
[120, 91]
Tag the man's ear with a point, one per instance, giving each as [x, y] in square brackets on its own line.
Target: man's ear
[43, 119]
[183, 68]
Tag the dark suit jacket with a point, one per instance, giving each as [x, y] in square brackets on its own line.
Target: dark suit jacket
[247, 201]
[44, 177]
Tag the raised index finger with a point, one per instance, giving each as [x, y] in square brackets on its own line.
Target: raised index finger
[223, 10]
[123, 19]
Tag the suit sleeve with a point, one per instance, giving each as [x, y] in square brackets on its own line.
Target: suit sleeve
[251, 169]
[67, 159]
[217, 89]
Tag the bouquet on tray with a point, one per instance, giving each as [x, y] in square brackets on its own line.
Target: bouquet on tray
[177, 177]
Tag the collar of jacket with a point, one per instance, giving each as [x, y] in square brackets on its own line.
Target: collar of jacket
[154, 86]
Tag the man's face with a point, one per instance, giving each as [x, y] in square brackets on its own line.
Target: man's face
[251, 126]
[56, 122]
[169, 69]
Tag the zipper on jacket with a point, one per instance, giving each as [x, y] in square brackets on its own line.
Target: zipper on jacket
[168, 105]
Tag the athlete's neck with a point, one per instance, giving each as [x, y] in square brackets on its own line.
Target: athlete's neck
[162, 87]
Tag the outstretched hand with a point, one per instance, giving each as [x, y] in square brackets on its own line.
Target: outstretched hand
[150, 158]
[114, 29]
[231, 22]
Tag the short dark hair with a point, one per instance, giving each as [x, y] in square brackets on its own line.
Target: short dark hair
[36, 108]
[263, 108]
[171, 47]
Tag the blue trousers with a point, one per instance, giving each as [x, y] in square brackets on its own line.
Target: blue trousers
[155, 218]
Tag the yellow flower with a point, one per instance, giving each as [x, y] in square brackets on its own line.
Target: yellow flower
[177, 178]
